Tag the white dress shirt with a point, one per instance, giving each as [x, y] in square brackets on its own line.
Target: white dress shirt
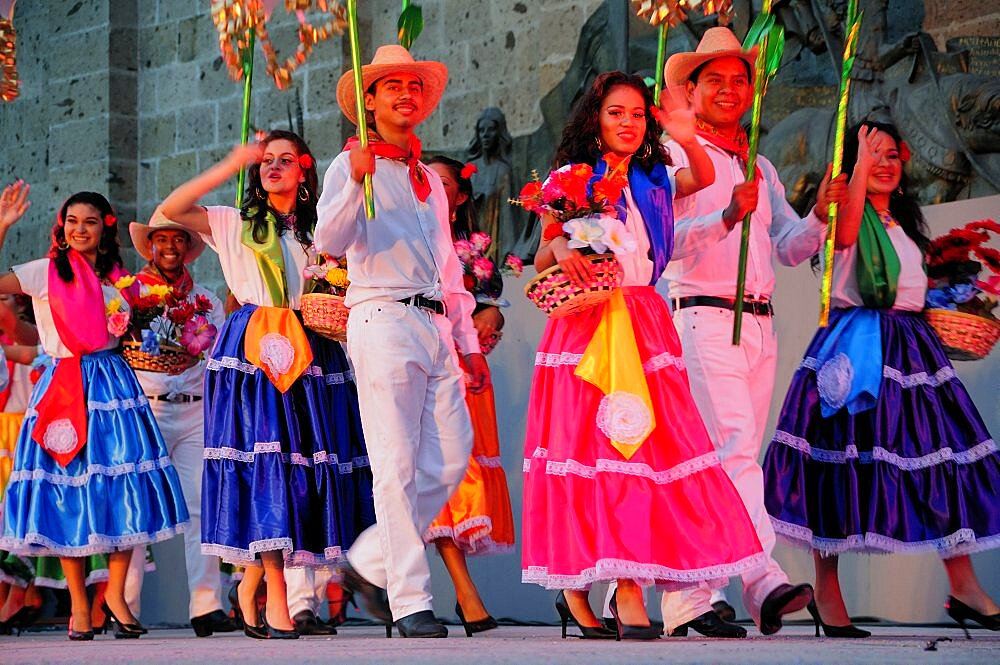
[405, 251]
[239, 263]
[911, 288]
[192, 380]
[706, 252]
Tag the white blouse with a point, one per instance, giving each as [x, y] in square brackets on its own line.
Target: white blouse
[911, 289]
[34, 279]
[638, 266]
[239, 263]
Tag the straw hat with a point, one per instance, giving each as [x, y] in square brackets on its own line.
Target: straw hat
[716, 43]
[394, 59]
[141, 236]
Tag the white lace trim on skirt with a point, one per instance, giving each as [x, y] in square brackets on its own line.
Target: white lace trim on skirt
[878, 453]
[293, 558]
[480, 542]
[675, 473]
[94, 469]
[657, 362]
[934, 380]
[644, 574]
[960, 542]
[35, 544]
[229, 362]
[271, 447]
[113, 405]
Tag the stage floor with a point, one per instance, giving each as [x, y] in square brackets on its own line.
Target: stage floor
[902, 645]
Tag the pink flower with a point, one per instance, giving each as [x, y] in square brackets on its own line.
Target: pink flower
[513, 265]
[482, 268]
[480, 241]
[198, 335]
[465, 250]
[118, 323]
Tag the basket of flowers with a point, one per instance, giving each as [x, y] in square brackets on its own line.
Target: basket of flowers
[483, 280]
[959, 304]
[584, 207]
[169, 333]
[322, 305]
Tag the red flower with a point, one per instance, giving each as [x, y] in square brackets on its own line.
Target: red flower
[202, 304]
[985, 225]
[608, 189]
[148, 301]
[990, 257]
[110, 220]
[904, 152]
[468, 170]
[180, 314]
[306, 161]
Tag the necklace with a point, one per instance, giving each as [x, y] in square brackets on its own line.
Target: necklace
[886, 218]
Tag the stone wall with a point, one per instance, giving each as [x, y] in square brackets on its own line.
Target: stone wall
[130, 98]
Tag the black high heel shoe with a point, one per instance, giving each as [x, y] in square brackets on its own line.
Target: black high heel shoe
[258, 632]
[480, 626]
[276, 633]
[79, 635]
[959, 611]
[588, 632]
[122, 630]
[20, 620]
[234, 602]
[850, 630]
[627, 632]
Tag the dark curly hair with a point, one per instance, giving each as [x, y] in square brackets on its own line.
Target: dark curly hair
[903, 206]
[108, 250]
[465, 214]
[255, 201]
[579, 138]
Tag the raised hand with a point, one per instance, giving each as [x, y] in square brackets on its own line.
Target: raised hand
[14, 203]
[677, 120]
[245, 155]
[872, 145]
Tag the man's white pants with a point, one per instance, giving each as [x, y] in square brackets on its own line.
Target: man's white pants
[182, 427]
[306, 589]
[411, 392]
[732, 387]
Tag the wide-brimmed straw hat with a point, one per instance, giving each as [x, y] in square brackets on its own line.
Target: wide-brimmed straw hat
[141, 236]
[716, 43]
[394, 59]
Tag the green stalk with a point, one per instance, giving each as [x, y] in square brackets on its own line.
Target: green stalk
[661, 56]
[359, 94]
[247, 56]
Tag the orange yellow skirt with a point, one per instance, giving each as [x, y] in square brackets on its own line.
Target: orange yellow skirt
[478, 517]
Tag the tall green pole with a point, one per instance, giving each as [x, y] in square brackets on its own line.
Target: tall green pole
[359, 95]
[247, 56]
[661, 56]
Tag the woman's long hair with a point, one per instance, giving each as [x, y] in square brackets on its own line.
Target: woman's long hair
[903, 206]
[580, 137]
[466, 219]
[255, 201]
[108, 250]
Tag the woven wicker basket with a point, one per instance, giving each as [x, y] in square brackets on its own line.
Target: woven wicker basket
[172, 359]
[964, 336]
[553, 293]
[325, 314]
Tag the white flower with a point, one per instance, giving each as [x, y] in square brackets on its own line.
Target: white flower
[586, 232]
[617, 237]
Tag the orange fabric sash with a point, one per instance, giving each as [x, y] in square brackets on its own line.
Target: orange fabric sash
[276, 342]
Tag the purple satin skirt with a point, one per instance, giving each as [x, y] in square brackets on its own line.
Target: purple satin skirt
[918, 472]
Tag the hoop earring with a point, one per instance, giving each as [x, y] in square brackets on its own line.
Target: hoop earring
[645, 151]
[260, 195]
[303, 193]
[599, 144]
[899, 191]
[63, 245]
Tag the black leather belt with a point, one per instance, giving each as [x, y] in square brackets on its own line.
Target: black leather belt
[177, 399]
[435, 306]
[755, 307]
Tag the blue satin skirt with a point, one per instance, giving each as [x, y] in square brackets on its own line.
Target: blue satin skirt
[918, 472]
[284, 472]
[121, 489]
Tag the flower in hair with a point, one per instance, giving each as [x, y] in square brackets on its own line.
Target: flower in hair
[110, 220]
[468, 170]
[306, 161]
[904, 151]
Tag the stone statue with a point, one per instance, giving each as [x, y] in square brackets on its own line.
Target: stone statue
[493, 184]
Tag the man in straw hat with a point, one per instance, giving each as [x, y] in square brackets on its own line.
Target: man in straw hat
[176, 401]
[409, 309]
[732, 385]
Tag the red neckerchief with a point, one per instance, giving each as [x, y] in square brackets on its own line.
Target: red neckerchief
[150, 275]
[411, 157]
[739, 147]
